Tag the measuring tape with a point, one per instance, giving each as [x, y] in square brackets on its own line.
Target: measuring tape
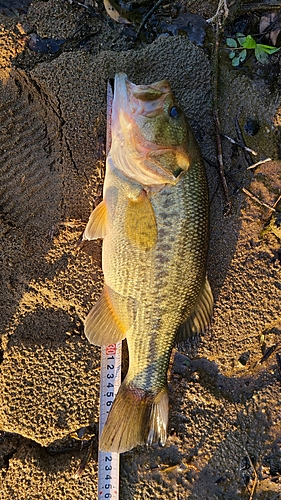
[108, 471]
[110, 380]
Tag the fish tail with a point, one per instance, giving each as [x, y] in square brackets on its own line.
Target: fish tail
[136, 417]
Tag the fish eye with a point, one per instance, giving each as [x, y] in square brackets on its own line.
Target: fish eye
[174, 112]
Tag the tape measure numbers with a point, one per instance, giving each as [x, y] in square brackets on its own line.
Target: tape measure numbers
[108, 471]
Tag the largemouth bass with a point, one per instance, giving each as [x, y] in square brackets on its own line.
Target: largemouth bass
[154, 223]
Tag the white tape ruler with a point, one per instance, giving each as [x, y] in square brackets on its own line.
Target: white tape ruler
[110, 380]
[108, 471]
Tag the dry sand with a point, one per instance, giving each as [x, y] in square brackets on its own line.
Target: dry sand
[225, 411]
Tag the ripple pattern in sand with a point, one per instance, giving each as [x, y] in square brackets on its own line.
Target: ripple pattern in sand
[30, 181]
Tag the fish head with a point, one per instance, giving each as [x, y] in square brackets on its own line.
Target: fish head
[150, 135]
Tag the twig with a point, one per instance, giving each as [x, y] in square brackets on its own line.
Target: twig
[240, 145]
[255, 475]
[259, 163]
[88, 7]
[268, 352]
[248, 193]
[215, 64]
[241, 139]
[85, 460]
[248, 7]
[218, 13]
[270, 28]
[278, 359]
[221, 165]
[148, 15]
[277, 201]
[82, 5]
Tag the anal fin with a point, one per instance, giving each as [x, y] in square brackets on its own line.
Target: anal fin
[200, 317]
[109, 319]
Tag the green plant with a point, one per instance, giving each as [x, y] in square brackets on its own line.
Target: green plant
[241, 43]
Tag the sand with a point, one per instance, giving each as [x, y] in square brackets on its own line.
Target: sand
[225, 408]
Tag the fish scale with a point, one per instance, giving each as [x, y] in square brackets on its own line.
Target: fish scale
[154, 223]
[170, 282]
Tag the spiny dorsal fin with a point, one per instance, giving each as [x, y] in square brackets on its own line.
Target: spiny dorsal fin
[200, 317]
[140, 222]
[109, 319]
[96, 226]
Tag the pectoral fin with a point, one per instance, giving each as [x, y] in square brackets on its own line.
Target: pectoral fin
[140, 222]
[96, 226]
[200, 317]
[109, 319]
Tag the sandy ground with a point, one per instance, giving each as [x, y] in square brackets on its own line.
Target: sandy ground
[225, 409]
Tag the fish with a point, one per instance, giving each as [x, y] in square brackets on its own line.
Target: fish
[154, 222]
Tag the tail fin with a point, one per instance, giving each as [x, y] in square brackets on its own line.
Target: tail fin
[136, 417]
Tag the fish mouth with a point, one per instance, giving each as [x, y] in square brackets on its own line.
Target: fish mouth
[141, 99]
[120, 100]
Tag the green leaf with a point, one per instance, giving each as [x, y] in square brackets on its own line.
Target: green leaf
[241, 38]
[249, 43]
[232, 54]
[243, 55]
[230, 42]
[267, 48]
[260, 53]
[236, 61]
[240, 58]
